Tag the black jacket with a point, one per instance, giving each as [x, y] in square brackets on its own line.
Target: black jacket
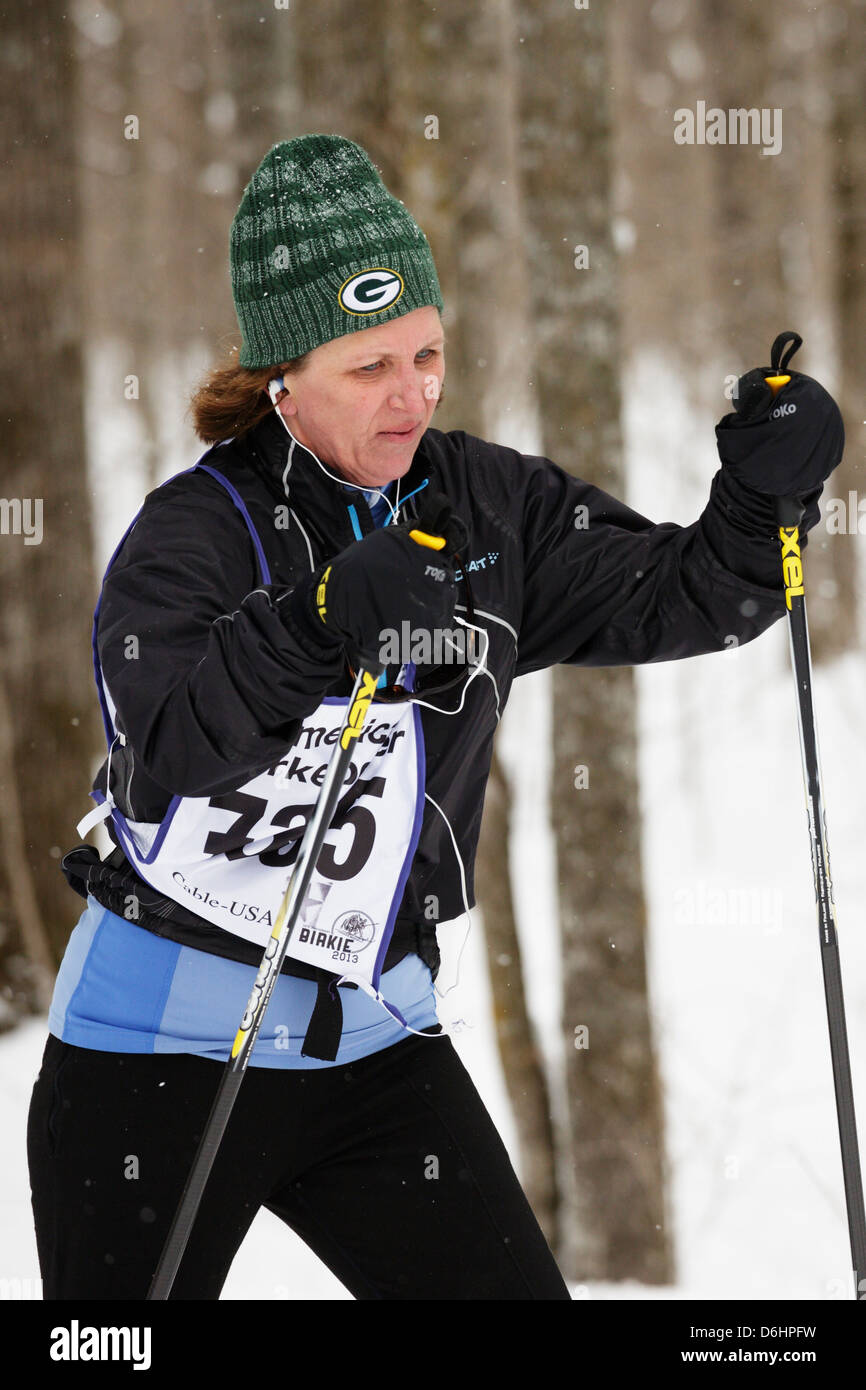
[224, 673]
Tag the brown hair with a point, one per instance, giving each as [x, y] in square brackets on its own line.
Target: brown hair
[231, 400]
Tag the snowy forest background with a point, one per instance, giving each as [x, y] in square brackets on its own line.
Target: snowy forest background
[640, 993]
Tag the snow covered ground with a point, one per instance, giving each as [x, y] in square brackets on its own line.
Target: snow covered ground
[736, 976]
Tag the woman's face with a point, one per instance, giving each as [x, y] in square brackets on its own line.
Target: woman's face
[357, 390]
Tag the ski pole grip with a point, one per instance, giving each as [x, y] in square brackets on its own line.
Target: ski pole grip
[439, 527]
[757, 390]
[369, 662]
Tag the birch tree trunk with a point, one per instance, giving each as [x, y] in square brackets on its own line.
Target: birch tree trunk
[45, 569]
[847, 62]
[618, 1228]
[452, 140]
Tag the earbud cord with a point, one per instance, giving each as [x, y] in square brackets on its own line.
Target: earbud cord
[480, 667]
[274, 388]
[344, 481]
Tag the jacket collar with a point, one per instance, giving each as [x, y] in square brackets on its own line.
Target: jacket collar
[294, 475]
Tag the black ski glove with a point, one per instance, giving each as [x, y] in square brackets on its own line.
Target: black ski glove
[787, 444]
[381, 581]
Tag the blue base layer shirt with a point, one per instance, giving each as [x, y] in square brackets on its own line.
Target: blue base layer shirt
[123, 989]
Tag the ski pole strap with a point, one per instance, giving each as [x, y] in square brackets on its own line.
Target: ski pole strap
[325, 1027]
[783, 349]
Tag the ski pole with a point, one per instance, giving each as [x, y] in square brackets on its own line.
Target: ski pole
[788, 516]
[275, 951]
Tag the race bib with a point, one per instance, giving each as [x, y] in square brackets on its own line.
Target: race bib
[228, 857]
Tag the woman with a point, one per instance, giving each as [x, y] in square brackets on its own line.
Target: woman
[234, 614]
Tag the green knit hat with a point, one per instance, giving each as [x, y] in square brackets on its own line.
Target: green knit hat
[319, 248]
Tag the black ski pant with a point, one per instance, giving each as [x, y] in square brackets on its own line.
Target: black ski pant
[389, 1168]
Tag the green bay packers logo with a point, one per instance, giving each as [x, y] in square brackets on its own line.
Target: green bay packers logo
[371, 291]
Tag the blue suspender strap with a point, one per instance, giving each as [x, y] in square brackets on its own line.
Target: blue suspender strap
[239, 502]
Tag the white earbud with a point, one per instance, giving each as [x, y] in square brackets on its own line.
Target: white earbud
[275, 386]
